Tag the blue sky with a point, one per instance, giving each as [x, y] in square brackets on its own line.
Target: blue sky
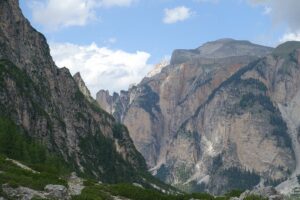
[114, 43]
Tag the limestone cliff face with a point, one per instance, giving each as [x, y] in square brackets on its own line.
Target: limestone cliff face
[82, 87]
[48, 104]
[216, 115]
[115, 104]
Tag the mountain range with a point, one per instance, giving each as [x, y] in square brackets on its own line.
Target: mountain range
[224, 112]
[220, 117]
[46, 103]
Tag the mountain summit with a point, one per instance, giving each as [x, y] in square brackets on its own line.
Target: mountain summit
[223, 48]
[219, 117]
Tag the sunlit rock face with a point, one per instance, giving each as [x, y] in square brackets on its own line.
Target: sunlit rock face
[217, 114]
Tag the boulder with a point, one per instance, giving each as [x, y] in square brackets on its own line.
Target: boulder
[22, 193]
[56, 192]
[266, 192]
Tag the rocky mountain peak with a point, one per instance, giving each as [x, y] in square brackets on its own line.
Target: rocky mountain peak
[223, 111]
[222, 48]
[104, 100]
[286, 48]
[82, 87]
[114, 104]
[55, 108]
[20, 42]
[158, 67]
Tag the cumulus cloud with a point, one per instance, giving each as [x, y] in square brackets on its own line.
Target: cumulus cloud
[55, 14]
[283, 12]
[177, 14]
[101, 67]
[290, 37]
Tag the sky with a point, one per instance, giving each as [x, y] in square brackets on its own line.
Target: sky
[115, 43]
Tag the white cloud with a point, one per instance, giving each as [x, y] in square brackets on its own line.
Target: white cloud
[286, 11]
[283, 12]
[101, 67]
[55, 14]
[111, 3]
[177, 14]
[290, 37]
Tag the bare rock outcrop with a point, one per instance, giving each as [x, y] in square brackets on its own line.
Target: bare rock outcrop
[55, 108]
[82, 87]
[224, 112]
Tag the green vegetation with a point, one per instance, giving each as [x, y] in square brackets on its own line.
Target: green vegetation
[16, 176]
[80, 116]
[135, 193]
[23, 82]
[118, 130]
[274, 182]
[25, 89]
[217, 163]
[280, 130]
[151, 179]
[94, 192]
[105, 160]
[101, 192]
[96, 108]
[233, 193]
[2, 193]
[249, 99]
[14, 144]
[183, 171]
[256, 83]
[240, 179]
[17, 145]
[104, 192]
[78, 96]
[162, 173]
[255, 197]
[114, 167]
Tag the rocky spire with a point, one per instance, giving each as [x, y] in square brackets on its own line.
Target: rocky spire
[82, 87]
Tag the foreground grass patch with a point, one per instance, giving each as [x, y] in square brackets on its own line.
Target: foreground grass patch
[16, 176]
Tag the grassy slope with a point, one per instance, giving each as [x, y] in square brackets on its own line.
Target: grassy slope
[16, 145]
[15, 176]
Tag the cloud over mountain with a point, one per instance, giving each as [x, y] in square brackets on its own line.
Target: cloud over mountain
[284, 12]
[102, 67]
